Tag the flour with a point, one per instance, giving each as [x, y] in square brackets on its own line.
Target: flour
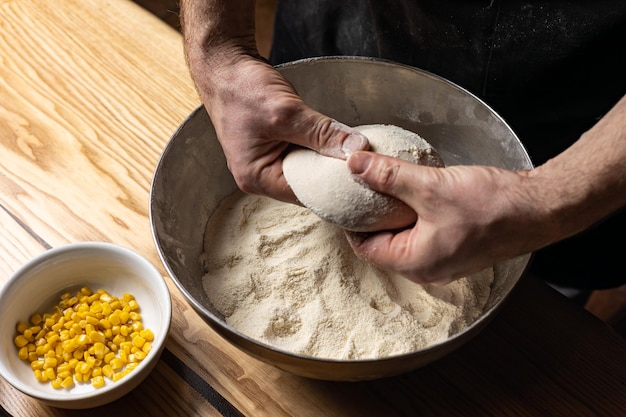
[284, 277]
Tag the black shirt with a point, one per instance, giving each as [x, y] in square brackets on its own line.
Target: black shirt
[551, 69]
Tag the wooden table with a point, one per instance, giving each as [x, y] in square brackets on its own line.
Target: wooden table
[90, 92]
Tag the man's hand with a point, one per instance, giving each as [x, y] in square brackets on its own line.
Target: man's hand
[256, 112]
[466, 216]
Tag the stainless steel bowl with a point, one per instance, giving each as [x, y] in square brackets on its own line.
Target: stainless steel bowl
[192, 177]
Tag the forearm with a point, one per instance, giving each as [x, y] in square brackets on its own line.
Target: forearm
[209, 25]
[217, 35]
[587, 181]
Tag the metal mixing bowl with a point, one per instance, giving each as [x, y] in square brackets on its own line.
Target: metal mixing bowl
[192, 177]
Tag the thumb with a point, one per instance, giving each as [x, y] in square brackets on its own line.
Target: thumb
[384, 174]
[328, 136]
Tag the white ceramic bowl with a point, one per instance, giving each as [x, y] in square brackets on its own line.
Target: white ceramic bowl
[36, 287]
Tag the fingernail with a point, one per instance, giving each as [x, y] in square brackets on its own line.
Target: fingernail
[353, 143]
[359, 162]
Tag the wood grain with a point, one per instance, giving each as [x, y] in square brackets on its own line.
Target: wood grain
[90, 92]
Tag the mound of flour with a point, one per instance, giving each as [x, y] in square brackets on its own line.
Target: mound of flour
[282, 276]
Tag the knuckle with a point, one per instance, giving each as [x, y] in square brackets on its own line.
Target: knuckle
[384, 175]
[283, 112]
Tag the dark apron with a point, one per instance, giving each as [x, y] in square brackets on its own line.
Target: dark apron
[551, 69]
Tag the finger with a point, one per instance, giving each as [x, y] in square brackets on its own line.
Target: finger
[387, 250]
[397, 252]
[388, 175]
[262, 175]
[328, 136]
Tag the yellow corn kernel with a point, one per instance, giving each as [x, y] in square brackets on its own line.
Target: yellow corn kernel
[106, 309]
[36, 365]
[93, 299]
[49, 363]
[75, 329]
[97, 381]
[133, 305]
[99, 350]
[22, 353]
[68, 346]
[50, 374]
[53, 338]
[56, 383]
[104, 296]
[49, 322]
[83, 367]
[97, 337]
[63, 375]
[21, 326]
[107, 370]
[58, 326]
[126, 346]
[20, 341]
[78, 377]
[147, 334]
[90, 360]
[29, 335]
[36, 319]
[125, 316]
[118, 340]
[42, 349]
[109, 357]
[68, 382]
[125, 330]
[64, 367]
[139, 341]
[124, 356]
[40, 376]
[105, 323]
[147, 347]
[117, 376]
[83, 340]
[116, 364]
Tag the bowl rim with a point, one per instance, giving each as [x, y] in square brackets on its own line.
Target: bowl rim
[145, 365]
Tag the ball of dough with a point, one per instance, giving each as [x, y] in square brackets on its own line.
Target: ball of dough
[326, 186]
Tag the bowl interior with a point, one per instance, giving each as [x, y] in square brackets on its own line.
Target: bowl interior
[36, 287]
[192, 178]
